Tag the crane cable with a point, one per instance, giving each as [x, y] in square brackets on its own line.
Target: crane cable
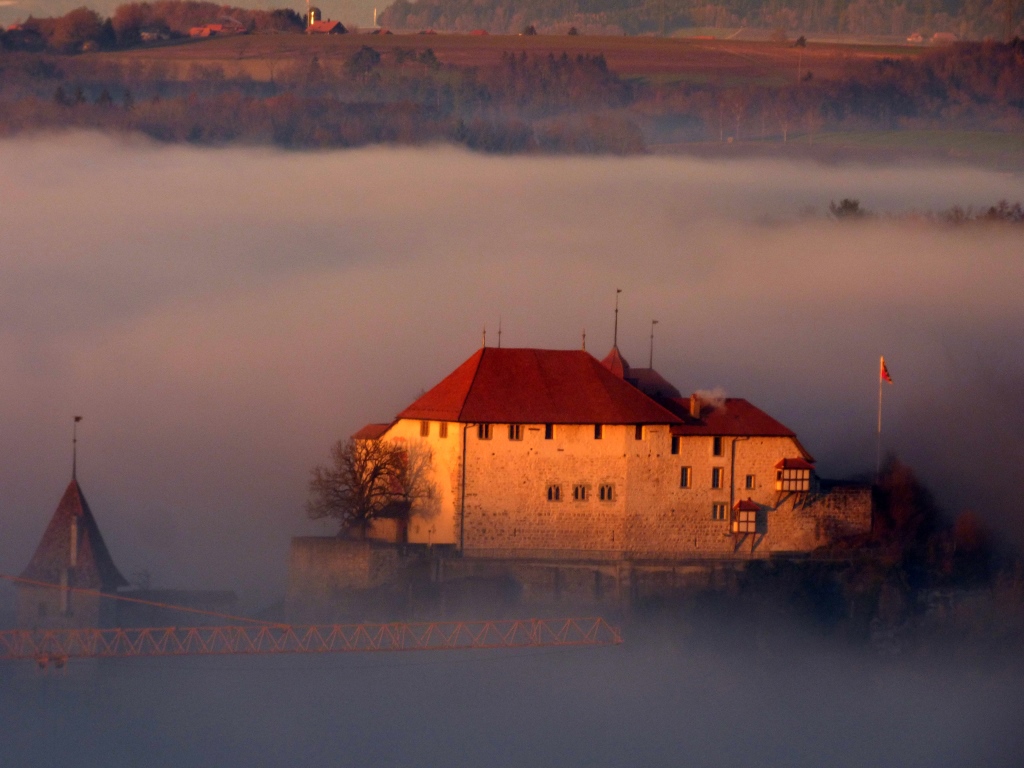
[125, 598]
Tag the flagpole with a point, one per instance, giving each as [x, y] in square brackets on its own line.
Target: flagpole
[878, 447]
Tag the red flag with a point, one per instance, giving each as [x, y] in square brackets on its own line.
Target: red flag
[883, 372]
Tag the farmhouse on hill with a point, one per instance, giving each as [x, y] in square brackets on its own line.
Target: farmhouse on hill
[554, 454]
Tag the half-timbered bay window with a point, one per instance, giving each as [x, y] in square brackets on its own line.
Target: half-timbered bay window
[744, 517]
[793, 475]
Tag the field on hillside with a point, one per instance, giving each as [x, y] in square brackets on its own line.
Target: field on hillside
[660, 59]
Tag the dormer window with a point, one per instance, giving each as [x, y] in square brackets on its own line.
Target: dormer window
[793, 476]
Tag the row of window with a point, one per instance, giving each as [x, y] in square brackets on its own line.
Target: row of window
[745, 522]
[717, 445]
[516, 431]
[717, 478]
[581, 492]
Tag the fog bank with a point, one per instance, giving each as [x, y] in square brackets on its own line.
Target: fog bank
[220, 317]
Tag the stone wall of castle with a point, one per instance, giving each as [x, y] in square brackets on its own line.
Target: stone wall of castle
[320, 568]
[626, 494]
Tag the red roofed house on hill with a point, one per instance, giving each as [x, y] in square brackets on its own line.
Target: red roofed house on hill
[71, 555]
[554, 454]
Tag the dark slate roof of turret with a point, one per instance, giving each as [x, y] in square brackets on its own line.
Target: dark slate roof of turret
[652, 383]
[94, 568]
[536, 386]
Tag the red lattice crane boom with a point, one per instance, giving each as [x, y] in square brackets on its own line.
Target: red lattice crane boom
[60, 645]
[57, 646]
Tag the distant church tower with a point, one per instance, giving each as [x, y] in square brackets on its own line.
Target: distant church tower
[72, 555]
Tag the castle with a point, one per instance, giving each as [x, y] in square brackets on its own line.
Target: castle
[568, 476]
[553, 453]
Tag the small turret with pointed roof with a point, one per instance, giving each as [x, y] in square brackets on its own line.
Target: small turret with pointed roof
[72, 541]
[71, 555]
[616, 363]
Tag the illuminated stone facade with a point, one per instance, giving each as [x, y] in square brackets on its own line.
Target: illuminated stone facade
[674, 484]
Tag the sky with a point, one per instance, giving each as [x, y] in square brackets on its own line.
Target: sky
[219, 317]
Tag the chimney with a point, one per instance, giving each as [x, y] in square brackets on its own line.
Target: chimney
[695, 405]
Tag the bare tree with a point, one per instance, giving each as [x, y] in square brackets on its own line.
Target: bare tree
[367, 479]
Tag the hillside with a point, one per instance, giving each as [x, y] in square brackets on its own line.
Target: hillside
[534, 93]
[965, 19]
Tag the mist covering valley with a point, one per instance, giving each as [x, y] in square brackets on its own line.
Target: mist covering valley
[219, 318]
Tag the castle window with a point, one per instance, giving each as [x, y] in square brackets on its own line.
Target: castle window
[515, 431]
[442, 429]
[424, 429]
[716, 446]
[675, 445]
[606, 492]
[798, 480]
[751, 482]
[598, 431]
[554, 493]
[483, 431]
[745, 521]
[580, 493]
[638, 433]
[549, 431]
[716, 477]
[718, 510]
[684, 477]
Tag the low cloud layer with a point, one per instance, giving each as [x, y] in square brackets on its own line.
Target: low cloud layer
[220, 317]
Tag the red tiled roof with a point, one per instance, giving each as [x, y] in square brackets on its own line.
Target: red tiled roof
[536, 386]
[794, 464]
[747, 505]
[734, 416]
[371, 432]
[94, 568]
[326, 28]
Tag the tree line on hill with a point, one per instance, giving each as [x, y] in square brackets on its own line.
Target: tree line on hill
[132, 23]
[549, 103]
[968, 19]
